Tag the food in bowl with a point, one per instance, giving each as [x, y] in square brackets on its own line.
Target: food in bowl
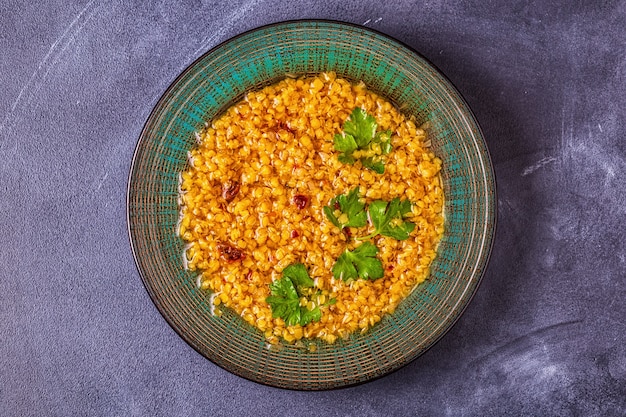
[311, 208]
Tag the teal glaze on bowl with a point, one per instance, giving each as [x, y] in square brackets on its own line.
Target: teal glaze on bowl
[258, 58]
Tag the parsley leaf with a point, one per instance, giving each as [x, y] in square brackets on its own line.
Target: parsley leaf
[346, 145]
[383, 139]
[375, 165]
[298, 274]
[308, 316]
[361, 126]
[284, 301]
[388, 219]
[360, 141]
[359, 263]
[352, 210]
[286, 293]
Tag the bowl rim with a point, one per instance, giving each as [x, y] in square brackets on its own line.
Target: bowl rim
[489, 170]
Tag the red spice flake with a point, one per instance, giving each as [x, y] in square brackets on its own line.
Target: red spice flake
[295, 234]
[336, 206]
[282, 127]
[300, 201]
[390, 268]
[230, 253]
[230, 190]
[285, 126]
[347, 232]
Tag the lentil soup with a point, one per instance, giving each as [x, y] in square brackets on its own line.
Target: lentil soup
[252, 203]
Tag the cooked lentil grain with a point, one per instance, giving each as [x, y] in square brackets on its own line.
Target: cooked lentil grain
[252, 203]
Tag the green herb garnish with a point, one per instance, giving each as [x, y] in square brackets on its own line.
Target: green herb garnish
[359, 263]
[286, 294]
[298, 274]
[388, 219]
[347, 210]
[360, 141]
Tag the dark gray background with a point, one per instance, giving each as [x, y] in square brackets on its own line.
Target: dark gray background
[546, 332]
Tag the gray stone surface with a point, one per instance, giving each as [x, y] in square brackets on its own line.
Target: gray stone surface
[546, 332]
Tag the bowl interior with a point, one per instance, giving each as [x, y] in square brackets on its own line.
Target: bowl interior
[260, 57]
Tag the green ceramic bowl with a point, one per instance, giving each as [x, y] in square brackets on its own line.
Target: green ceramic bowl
[260, 57]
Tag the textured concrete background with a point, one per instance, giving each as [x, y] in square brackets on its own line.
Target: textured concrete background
[546, 333]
